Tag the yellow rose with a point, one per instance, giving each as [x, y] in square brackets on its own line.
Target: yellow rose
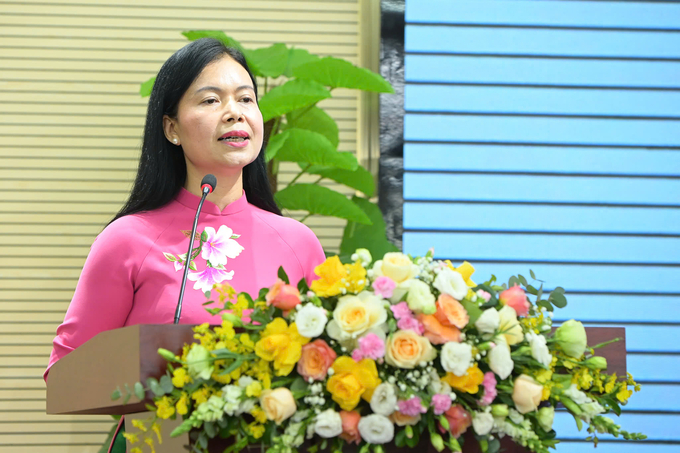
[331, 272]
[354, 315]
[281, 344]
[406, 349]
[509, 325]
[351, 381]
[526, 394]
[396, 266]
[278, 404]
[468, 383]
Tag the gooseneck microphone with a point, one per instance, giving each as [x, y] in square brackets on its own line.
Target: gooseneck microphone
[208, 184]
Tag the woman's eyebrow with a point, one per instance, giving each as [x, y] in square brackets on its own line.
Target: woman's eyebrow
[214, 88]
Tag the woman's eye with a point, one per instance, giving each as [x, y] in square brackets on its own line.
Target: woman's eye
[210, 101]
[247, 99]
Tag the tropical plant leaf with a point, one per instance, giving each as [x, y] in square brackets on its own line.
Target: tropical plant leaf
[320, 200]
[359, 179]
[146, 87]
[268, 61]
[337, 73]
[298, 57]
[193, 35]
[299, 145]
[371, 237]
[315, 119]
[292, 95]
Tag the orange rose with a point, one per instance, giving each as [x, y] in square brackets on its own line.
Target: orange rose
[459, 420]
[400, 419]
[407, 349]
[283, 296]
[317, 357]
[436, 332]
[468, 383]
[450, 312]
[350, 426]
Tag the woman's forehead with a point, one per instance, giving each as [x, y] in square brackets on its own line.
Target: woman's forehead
[225, 73]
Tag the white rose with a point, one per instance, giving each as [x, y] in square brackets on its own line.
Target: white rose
[539, 348]
[396, 266]
[509, 325]
[376, 429]
[488, 321]
[452, 283]
[419, 298]
[384, 399]
[356, 315]
[311, 320]
[482, 422]
[500, 360]
[328, 424]
[456, 357]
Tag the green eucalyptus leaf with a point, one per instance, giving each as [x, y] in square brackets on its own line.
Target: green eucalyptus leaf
[166, 383]
[139, 390]
[558, 299]
[300, 145]
[298, 57]
[338, 73]
[115, 394]
[269, 61]
[193, 35]
[146, 87]
[360, 179]
[320, 200]
[371, 237]
[155, 387]
[315, 119]
[292, 95]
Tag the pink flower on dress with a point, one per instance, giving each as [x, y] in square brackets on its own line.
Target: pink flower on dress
[441, 403]
[411, 324]
[384, 287]
[206, 279]
[370, 346]
[401, 310]
[490, 391]
[219, 246]
[411, 407]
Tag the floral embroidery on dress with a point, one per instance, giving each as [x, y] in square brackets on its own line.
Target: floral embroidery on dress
[215, 247]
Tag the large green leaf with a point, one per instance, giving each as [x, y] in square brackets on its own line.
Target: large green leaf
[292, 95]
[299, 145]
[298, 57]
[320, 200]
[360, 179]
[315, 119]
[268, 61]
[336, 73]
[193, 35]
[146, 87]
[371, 237]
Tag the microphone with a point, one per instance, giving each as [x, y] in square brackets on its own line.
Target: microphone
[208, 184]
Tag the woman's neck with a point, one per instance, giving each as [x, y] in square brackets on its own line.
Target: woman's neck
[229, 188]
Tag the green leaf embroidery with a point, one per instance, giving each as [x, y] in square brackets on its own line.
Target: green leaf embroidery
[170, 257]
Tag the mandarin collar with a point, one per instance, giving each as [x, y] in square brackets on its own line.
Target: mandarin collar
[188, 199]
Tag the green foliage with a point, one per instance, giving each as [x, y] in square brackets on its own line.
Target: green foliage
[295, 81]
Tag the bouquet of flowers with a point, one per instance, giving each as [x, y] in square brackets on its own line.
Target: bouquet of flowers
[396, 350]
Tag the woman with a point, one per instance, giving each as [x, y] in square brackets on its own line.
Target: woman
[202, 118]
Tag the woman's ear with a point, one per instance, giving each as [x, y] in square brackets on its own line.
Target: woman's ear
[171, 130]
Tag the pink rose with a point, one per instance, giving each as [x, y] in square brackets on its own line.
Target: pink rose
[459, 420]
[350, 426]
[411, 324]
[441, 403]
[490, 391]
[315, 360]
[384, 287]
[283, 296]
[514, 297]
[401, 310]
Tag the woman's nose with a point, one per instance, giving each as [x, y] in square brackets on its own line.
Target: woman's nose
[232, 113]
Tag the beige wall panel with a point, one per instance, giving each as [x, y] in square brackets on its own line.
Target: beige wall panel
[71, 124]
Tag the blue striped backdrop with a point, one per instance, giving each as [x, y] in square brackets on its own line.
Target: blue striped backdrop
[545, 135]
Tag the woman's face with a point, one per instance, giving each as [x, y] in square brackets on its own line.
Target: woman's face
[218, 122]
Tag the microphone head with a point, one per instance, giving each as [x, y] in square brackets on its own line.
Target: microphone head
[209, 182]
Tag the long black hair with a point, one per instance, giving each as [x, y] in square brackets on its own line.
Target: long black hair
[162, 169]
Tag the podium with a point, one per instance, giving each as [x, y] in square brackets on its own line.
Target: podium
[82, 381]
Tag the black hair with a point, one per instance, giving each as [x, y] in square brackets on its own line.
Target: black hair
[162, 169]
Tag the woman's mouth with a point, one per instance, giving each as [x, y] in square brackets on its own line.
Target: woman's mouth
[235, 138]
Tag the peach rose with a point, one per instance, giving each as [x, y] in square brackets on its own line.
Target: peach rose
[526, 394]
[450, 312]
[406, 349]
[278, 404]
[459, 420]
[282, 296]
[317, 357]
[516, 298]
[436, 332]
[400, 419]
[350, 426]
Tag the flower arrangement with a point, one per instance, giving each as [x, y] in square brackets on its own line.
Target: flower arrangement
[396, 350]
